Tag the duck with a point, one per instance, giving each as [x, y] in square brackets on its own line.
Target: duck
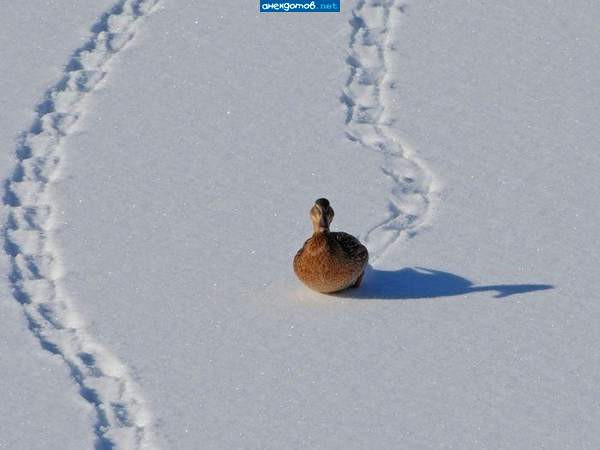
[330, 261]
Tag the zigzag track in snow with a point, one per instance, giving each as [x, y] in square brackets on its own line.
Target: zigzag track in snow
[36, 273]
[367, 99]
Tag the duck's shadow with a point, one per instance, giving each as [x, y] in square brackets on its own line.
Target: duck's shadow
[415, 283]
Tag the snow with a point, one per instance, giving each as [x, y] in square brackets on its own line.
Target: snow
[457, 142]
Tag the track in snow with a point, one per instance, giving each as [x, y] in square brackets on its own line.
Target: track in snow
[367, 99]
[36, 273]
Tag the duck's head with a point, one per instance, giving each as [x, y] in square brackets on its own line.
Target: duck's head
[321, 215]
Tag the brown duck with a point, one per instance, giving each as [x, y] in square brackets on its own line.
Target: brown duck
[329, 261]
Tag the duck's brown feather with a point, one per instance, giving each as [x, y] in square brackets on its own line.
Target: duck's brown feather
[330, 262]
[351, 246]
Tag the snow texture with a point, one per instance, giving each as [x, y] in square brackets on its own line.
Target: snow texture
[35, 272]
[157, 199]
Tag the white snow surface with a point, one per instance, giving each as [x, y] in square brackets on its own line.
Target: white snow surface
[161, 161]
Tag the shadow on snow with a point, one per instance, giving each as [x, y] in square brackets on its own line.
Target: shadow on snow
[415, 283]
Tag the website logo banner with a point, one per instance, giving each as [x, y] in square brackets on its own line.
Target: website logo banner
[267, 6]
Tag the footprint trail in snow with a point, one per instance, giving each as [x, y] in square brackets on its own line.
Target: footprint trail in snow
[367, 98]
[122, 417]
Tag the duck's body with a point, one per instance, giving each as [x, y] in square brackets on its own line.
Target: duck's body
[330, 261]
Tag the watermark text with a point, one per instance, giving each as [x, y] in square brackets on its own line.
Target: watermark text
[300, 6]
